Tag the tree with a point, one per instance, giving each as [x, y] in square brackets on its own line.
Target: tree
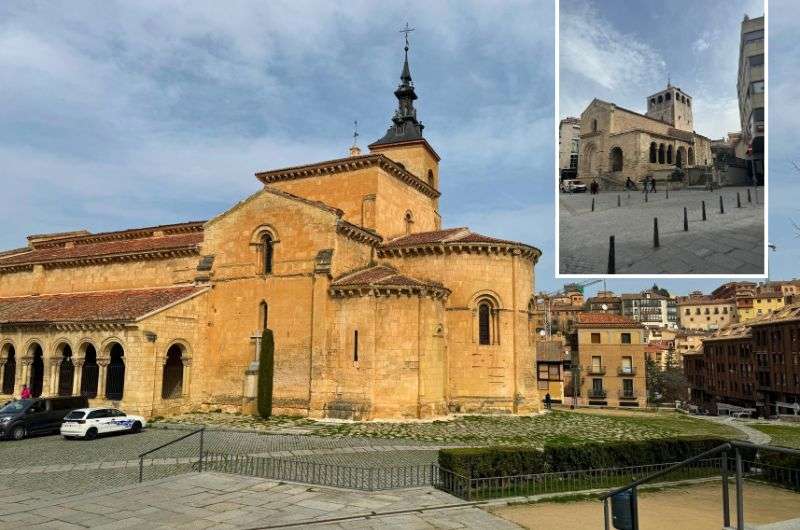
[669, 384]
[659, 290]
[266, 373]
[653, 379]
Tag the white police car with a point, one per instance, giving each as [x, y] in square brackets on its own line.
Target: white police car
[91, 422]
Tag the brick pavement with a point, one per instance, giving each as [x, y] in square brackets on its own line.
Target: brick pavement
[205, 500]
[729, 243]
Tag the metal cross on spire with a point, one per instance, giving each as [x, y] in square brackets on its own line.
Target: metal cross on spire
[405, 31]
[355, 133]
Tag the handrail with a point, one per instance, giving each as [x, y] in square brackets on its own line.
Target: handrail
[201, 430]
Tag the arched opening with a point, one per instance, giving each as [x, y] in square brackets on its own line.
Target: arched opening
[690, 160]
[115, 373]
[9, 369]
[263, 315]
[588, 158]
[616, 159]
[667, 96]
[172, 382]
[409, 221]
[653, 152]
[89, 372]
[661, 154]
[484, 323]
[266, 253]
[660, 99]
[688, 102]
[594, 125]
[680, 156]
[66, 371]
[652, 101]
[37, 369]
[669, 154]
[430, 179]
[488, 325]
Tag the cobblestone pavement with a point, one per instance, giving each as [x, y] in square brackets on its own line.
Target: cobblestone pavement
[729, 243]
[206, 500]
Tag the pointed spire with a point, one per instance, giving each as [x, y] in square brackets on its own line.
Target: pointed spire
[405, 125]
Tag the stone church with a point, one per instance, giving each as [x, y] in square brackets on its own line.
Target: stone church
[617, 143]
[377, 311]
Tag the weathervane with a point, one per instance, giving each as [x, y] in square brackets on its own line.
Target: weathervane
[405, 31]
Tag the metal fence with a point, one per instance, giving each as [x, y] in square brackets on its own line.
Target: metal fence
[564, 481]
[152, 465]
[333, 475]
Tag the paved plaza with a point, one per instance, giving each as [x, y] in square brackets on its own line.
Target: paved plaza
[214, 500]
[725, 243]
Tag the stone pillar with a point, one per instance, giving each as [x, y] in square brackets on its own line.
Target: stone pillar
[23, 374]
[102, 363]
[187, 376]
[52, 376]
[76, 377]
[2, 372]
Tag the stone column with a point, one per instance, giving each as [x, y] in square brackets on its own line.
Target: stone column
[23, 374]
[76, 377]
[2, 372]
[102, 363]
[187, 376]
[52, 376]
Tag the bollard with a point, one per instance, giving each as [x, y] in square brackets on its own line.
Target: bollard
[645, 197]
[704, 210]
[656, 243]
[611, 258]
[629, 195]
[721, 206]
[592, 203]
[667, 196]
[619, 201]
[738, 200]
[685, 220]
[749, 198]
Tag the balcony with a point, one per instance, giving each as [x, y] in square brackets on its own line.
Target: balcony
[595, 369]
[628, 394]
[597, 393]
[626, 370]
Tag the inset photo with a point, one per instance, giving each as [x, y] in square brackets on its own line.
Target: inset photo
[661, 138]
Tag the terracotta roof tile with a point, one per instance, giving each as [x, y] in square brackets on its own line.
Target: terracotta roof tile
[380, 275]
[448, 235]
[606, 320]
[105, 306]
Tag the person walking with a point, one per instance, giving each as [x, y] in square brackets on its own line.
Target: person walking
[594, 187]
[629, 185]
[25, 393]
[652, 184]
[548, 401]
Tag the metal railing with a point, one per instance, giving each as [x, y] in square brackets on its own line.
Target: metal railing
[179, 461]
[597, 393]
[752, 468]
[473, 489]
[625, 394]
[595, 369]
[626, 370]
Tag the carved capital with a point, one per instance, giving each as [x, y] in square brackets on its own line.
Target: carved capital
[187, 361]
[27, 360]
[78, 362]
[103, 361]
[55, 362]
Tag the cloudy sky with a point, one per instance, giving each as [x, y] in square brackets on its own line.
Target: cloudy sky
[124, 114]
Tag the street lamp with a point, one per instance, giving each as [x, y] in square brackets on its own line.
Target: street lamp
[773, 248]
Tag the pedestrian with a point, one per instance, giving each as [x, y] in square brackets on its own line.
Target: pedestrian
[594, 187]
[653, 184]
[25, 393]
[629, 185]
[646, 185]
[548, 401]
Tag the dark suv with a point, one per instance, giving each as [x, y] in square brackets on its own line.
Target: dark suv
[23, 417]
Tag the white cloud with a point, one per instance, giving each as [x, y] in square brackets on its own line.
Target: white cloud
[700, 45]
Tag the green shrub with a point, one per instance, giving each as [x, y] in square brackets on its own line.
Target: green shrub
[266, 369]
[483, 462]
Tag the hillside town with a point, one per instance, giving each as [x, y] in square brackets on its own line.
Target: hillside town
[731, 351]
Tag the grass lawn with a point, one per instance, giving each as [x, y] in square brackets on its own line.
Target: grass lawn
[783, 435]
[555, 426]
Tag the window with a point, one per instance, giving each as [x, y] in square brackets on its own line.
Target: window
[626, 338]
[757, 87]
[430, 179]
[574, 145]
[627, 365]
[616, 159]
[669, 154]
[661, 153]
[544, 372]
[573, 161]
[667, 96]
[652, 101]
[660, 99]
[595, 338]
[266, 254]
[263, 315]
[355, 346]
[757, 60]
[594, 125]
[409, 220]
[753, 36]
[653, 152]
[627, 387]
[484, 323]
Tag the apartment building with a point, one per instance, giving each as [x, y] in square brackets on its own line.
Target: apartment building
[569, 133]
[751, 87]
[705, 313]
[650, 308]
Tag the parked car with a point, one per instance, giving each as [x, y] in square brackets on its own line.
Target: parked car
[573, 186]
[89, 423]
[25, 417]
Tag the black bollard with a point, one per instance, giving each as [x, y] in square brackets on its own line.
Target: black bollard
[592, 203]
[704, 210]
[685, 220]
[656, 243]
[612, 268]
[749, 198]
[619, 201]
[645, 197]
[721, 205]
[738, 200]
[629, 195]
[667, 193]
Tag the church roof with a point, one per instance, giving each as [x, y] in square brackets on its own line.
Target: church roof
[383, 278]
[454, 237]
[104, 306]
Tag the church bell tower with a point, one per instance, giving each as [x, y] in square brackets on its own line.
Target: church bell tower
[672, 106]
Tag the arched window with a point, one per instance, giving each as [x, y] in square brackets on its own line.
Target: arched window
[172, 380]
[691, 157]
[266, 253]
[90, 372]
[616, 159]
[66, 371]
[660, 99]
[430, 179]
[263, 315]
[688, 102]
[661, 154]
[409, 220]
[594, 125]
[652, 101]
[653, 152]
[484, 323]
[115, 373]
[37, 369]
[680, 155]
[9, 369]
[667, 96]
[669, 154]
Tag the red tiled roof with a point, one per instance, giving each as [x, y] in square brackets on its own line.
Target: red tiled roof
[104, 306]
[104, 249]
[448, 235]
[380, 276]
[606, 320]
